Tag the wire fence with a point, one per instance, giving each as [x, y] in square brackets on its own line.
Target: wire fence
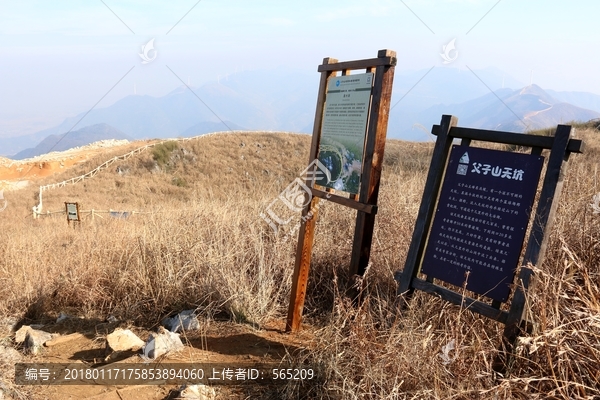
[123, 157]
[95, 213]
[93, 172]
[37, 210]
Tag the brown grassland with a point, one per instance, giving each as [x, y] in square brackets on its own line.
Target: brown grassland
[203, 245]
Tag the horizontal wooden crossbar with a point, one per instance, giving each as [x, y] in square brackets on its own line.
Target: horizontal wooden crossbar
[368, 208]
[455, 298]
[358, 64]
[519, 139]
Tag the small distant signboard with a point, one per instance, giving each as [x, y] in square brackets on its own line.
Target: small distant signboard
[481, 219]
[72, 212]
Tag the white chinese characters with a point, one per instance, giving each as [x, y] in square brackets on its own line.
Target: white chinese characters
[499, 172]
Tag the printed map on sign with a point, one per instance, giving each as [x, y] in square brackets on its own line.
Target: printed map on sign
[481, 219]
[343, 130]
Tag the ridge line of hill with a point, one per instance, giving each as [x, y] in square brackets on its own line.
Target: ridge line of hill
[93, 172]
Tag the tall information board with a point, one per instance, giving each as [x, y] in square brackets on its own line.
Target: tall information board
[348, 140]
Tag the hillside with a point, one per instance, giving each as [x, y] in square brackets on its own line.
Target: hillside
[20, 173]
[201, 244]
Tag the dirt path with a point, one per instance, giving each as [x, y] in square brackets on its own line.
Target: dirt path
[218, 343]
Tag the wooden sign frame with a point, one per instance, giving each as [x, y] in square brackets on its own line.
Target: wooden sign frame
[78, 219]
[366, 201]
[560, 146]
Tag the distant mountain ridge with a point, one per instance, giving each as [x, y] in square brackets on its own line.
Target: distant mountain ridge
[521, 110]
[285, 100]
[80, 137]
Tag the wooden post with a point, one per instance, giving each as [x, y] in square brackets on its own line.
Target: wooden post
[372, 164]
[307, 228]
[383, 69]
[536, 245]
[426, 210]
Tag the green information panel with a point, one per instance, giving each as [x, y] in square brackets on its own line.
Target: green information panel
[343, 130]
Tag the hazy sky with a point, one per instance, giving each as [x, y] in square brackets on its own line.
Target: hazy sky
[59, 58]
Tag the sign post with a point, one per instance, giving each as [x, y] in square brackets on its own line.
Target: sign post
[348, 140]
[473, 218]
[72, 210]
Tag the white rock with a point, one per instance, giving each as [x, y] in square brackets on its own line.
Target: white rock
[185, 320]
[21, 334]
[34, 340]
[62, 316]
[7, 325]
[8, 355]
[161, 343]
[197, 392]
[123, 340]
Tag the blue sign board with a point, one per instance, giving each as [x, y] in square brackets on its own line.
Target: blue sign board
[481, 219]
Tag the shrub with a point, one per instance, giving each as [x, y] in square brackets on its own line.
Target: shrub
[161, 153]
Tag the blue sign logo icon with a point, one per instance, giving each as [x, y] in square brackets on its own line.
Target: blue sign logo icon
[337, 83]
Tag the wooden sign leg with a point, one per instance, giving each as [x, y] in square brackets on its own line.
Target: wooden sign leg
[536, 246]
[361, 251]
[371, 174]
[440, 155]
[302, 266]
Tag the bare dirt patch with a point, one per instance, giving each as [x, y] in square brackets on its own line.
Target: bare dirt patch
[218, 342]
[49, 164]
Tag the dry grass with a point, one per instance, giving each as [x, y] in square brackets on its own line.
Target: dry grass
[205, 246]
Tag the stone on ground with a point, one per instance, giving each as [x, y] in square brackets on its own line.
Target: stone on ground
[161, 343]
[62, 316]
[9, 356]
[7, 325]
[124, 340]
[34, 340]
[185, 320]
[197, 392]
[21, 334]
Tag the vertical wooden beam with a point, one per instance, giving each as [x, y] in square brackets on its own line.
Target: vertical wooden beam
[302, 268]
[433, 183]
[372, 164]
[307, 228]
[536, 244]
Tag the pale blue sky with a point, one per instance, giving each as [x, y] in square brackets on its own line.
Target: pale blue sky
[58, 58]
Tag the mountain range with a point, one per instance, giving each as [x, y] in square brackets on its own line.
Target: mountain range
[80, 137]
[285, 100]
[510, 110]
